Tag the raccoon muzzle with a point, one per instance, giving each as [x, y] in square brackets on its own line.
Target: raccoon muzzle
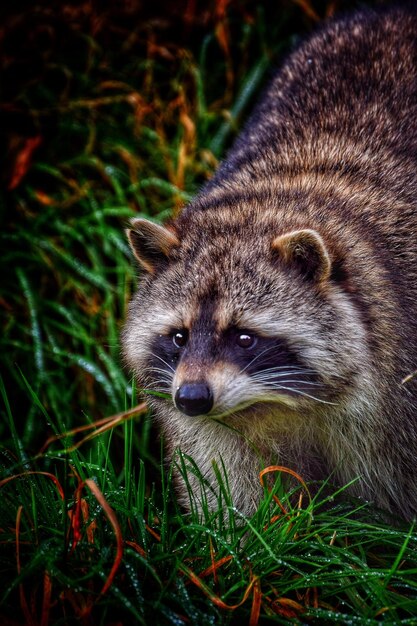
[194, 398]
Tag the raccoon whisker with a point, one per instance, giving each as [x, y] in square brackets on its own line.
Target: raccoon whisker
[158, 370]
[150, 388]
[281, 370]
[285, 368]
[296, 368]
[266, 397]
[163, 361]
[290, 377]
[152, 380]
[158, 373]
[273, 374]
[293, 370]
[302, 393]
[161, 388]
[271, 383]
[155, 376]
[268, 349]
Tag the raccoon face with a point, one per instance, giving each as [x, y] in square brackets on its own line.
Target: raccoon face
[221, 328]
[217, 371]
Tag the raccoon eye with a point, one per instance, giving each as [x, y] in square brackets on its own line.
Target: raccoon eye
[245, 340]
[179, 338]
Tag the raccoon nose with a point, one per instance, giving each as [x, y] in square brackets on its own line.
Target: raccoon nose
[194, 398]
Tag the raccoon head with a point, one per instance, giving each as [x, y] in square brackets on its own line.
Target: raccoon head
[222, 324]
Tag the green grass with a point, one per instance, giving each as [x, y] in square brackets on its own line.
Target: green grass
[327, 562]
[106, 115]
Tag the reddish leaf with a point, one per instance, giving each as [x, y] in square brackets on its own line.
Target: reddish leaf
[23, 160]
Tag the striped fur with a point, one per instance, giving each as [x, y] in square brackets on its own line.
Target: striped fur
[305, 237]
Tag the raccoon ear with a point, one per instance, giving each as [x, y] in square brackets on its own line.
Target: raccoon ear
[305, 249]
[150, 243]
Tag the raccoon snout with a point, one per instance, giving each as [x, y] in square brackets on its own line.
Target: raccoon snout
[194, 398]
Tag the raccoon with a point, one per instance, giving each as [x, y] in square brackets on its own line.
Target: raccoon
[277, 311]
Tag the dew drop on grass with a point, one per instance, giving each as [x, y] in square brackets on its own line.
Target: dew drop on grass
[134, 582]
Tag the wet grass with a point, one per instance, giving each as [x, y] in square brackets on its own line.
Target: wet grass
[108, 114]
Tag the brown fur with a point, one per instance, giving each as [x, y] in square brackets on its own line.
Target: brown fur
[306, 236]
